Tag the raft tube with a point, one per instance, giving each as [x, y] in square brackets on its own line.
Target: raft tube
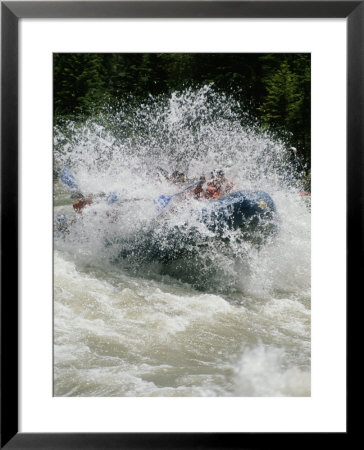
[245, 210]
[251, 213]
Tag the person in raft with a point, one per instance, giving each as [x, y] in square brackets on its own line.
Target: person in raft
[178, 177]
[295, 160]
[216, 187]
[82, 202]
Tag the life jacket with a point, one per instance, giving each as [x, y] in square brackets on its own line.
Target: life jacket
[81, 203]
[212, 190]
[217, 189]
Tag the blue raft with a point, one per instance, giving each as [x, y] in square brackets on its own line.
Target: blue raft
[245, 210]
[250, 213]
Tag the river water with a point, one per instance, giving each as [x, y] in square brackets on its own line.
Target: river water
[230, 319]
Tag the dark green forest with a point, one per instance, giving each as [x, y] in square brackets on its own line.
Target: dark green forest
[274, 89]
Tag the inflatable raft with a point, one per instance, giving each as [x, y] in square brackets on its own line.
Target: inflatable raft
[244, 210]
[250, 214]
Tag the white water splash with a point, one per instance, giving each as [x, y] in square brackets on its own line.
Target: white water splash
[229, 319]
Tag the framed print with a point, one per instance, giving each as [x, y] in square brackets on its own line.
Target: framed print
[159, 241]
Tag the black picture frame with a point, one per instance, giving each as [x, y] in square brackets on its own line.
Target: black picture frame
[11, 12]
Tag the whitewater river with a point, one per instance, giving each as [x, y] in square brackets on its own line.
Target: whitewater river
[231, 319]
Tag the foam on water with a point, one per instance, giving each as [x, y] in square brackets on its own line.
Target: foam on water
[232, 318]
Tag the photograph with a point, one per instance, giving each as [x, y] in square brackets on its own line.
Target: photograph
[182, 224]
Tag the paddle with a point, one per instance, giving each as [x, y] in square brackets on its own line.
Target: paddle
[69, 179]
[162, 201]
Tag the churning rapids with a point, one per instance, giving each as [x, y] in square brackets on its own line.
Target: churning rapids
[225, 318]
